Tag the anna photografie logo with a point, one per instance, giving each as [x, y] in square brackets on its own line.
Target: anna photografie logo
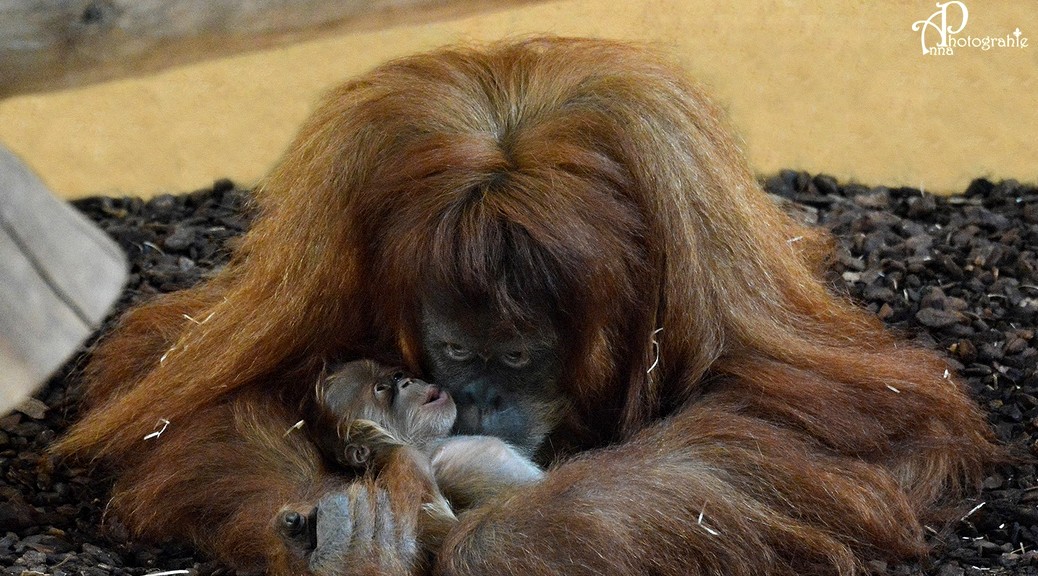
[941, 33]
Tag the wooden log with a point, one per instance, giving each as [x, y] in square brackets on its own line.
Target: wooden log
[49, 44]
[59, 274]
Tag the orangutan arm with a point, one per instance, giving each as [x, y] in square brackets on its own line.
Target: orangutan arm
[471, 470]
[744, 481]
[226, 477]
[709, 492]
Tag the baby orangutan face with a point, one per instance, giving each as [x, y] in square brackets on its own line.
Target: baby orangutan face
[375, 421]
[410, 410]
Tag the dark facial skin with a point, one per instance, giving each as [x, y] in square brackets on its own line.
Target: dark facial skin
[504, 380]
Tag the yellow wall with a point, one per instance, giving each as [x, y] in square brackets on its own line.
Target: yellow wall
[840, 87]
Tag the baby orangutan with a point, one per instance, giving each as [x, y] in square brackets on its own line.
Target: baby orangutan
[379, 423]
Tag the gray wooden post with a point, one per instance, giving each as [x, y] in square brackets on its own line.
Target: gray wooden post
[59, 274]
[49, 44]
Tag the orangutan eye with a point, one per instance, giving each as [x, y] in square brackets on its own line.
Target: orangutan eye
[384, 390]
[456, 353]
[516, 358]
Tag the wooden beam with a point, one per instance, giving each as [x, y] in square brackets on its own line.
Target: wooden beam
[58, 276]
[51, 44]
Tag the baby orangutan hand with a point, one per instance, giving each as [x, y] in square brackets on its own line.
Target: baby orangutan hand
[366, 446]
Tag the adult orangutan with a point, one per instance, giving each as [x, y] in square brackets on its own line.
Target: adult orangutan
[561, 233]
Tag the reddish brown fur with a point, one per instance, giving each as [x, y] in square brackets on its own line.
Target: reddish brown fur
[806, 436]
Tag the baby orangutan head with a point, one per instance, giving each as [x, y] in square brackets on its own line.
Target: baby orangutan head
[410, 410]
